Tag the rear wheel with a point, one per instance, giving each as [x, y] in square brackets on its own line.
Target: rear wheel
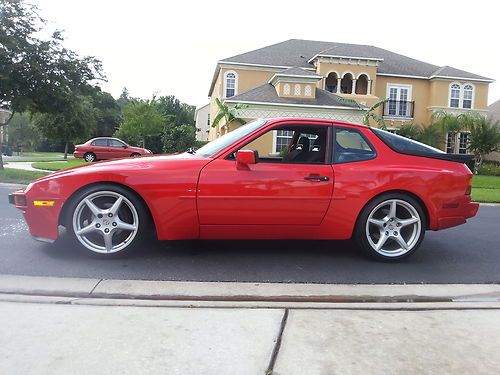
[391, 227]
[107, 220]
[89, 157]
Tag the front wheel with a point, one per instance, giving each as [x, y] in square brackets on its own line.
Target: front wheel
[107, 220]
[391, 227]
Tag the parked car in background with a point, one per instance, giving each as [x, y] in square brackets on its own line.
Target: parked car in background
[107, 148]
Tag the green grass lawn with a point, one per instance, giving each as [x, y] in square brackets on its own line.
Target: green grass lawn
[486, 189]
[18, 176]
[58, 165]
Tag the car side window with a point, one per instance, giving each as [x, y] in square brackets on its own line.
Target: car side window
[100, 142]
[291, 144]
[115, 143]
[351, 145]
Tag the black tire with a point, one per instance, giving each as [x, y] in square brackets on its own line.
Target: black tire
[89, 157]
[102, 197]
[365, 234]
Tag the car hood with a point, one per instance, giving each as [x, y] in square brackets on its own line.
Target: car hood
[182, 160]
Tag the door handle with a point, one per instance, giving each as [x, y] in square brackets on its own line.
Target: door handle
[317, 178]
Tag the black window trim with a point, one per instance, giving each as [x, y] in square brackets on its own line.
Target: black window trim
[334, 133]
[329, 144]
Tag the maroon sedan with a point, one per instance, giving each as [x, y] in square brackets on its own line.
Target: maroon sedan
[107, 148]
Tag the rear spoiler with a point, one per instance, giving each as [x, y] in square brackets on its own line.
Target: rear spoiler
[458, 158]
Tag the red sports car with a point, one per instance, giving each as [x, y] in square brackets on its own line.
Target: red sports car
[269, 179]
[107, 148]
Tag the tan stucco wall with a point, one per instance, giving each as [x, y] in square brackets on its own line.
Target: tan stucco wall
[440, 91]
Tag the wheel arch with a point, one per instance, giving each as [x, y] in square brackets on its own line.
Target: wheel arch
[64, 210]
[419, 200]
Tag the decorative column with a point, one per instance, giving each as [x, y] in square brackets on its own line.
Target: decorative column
[353, 91]
[339, 82]
[369, 87]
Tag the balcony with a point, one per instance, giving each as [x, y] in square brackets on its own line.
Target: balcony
[399, 109]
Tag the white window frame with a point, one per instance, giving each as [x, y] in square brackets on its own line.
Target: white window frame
[275, 140]
[456, 143]
[235, 82]
[461, 95]
[286, 89]
[308, 90]
[297, 90]
[399, 86]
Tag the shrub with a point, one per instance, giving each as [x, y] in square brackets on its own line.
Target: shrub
[489, 169]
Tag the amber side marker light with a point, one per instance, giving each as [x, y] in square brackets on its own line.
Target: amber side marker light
[44, 203]
[468, 190]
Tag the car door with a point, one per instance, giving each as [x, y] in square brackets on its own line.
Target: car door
[100, 148]
[271, 192]
[117, 149]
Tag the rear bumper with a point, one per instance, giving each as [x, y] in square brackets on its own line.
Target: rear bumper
[78, 154]
[451, 217]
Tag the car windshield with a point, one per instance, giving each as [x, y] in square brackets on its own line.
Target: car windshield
[403, 144]
[218, 144]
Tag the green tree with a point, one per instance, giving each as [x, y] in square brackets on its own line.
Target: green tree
[124, 98]
[484, 138]
[370, 112]
[410, 130]
[108, 114]
[432, 135]
[75, 123]
[178, 138]
[141, 119]
[37, 75]
[181, 113]
[229, 114]
[23, 133]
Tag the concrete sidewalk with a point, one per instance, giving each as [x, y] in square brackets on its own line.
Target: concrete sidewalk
[81, 326]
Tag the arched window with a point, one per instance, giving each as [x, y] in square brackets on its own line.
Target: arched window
[230, 84]
[362, 85]
[286, 89]
[307, 90]
[455, 95]
[296, 90]
[331, 82]
[346, 84]
[467, 98]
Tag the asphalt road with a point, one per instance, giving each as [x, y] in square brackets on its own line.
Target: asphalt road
[466, 254]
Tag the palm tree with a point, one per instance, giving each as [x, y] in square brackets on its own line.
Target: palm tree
[484, 138]
[411, 130]
[229, 114]
[369, 112]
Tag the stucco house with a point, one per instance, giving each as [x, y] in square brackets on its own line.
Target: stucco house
[310, 78]
[202, 119]
[494, 114]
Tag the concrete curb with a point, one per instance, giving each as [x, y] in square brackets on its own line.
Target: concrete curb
[187, 293]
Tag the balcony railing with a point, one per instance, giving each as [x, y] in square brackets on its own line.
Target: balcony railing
[398, 108]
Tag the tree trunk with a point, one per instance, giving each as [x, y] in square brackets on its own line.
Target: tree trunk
[1, 159]
[66, 151]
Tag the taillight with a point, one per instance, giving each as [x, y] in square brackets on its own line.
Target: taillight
[20, 200]
[468, 189]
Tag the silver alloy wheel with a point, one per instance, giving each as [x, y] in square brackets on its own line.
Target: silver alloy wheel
[89, 157]
[105, 222]
[393, 228]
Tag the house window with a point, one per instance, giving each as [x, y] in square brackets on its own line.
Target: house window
[455, 95]
[296, 90]
[230, 84]
[467, 101]
[307, 91]
[208, 119]
[457, 142]
[283, 139]
[286, 89]
[399, 104]
[461, 96]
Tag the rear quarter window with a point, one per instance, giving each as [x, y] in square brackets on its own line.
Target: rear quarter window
[405, 145]
[351, 146]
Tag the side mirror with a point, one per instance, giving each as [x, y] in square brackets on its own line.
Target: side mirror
[246, 157]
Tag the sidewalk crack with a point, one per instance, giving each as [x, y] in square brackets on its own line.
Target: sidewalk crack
[277, 345]
[95, 286]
